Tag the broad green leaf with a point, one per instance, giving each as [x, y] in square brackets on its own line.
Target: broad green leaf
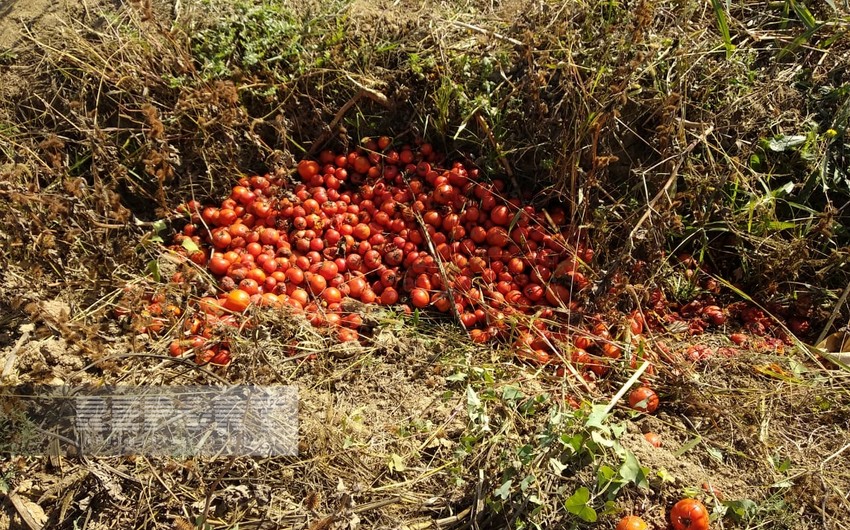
[598, 415]
[472, 399]
[153, 270]
[606, 473]
[556, 466]
[572, 443]
[511, 393]
[526, 454]
[504, 491]
[632, 471]
[741, 510]
[577, 505]
[600, 437]
[665, 475]
[784, 143]
[526, 482]
[396, 463]
[714, 453]
[190, 246]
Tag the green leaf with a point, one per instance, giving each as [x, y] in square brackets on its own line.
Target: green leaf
[556, 466]
[723, 25]
[803, 14]
[577, 505]
[798, 41]
[190, 246]
[504, 491]
[665, 475]
[457, 376]
[741, 510]
[597, 415]
[526, 454]
[783, 143]
[472, 399]
[606, 473]
[153, 270]
[511, 393]
[396, 463]
[632, 471]
[690, 444]
[714, 453]
[601, 437]
[572, 443]
[781, 225]
[782, 465]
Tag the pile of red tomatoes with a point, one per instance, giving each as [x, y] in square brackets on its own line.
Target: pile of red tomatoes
[401, 227]
[392, 227]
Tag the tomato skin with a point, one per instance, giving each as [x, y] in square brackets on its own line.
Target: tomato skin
[632, 522]
[237, 300]
[653, 439]
[647, 396]
[689, 514]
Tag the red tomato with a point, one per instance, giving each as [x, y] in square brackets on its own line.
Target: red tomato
[307, 168]
[653, 439]
[632, 522]
[218, 265]
[689, 514]
[389, 296]
[420, 298]
[237, 300]
[643, 399]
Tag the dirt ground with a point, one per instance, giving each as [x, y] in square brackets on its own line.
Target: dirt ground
[381, 426]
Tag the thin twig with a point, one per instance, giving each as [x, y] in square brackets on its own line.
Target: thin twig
[214, 485]
[667, 185]
[10, 360]
[186, 362]
[363, 91]
[487, 32]
[834, 314]
[498, 148]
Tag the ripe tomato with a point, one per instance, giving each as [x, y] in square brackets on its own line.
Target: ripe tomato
[218, 265]
[738, 338]
[347, 335]
[307, 168]
[237, 300]
[389, 296]
[653, 439]
[632, 522]
[500, 215]
[420, 298]
[643, 399]
[689, 514]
